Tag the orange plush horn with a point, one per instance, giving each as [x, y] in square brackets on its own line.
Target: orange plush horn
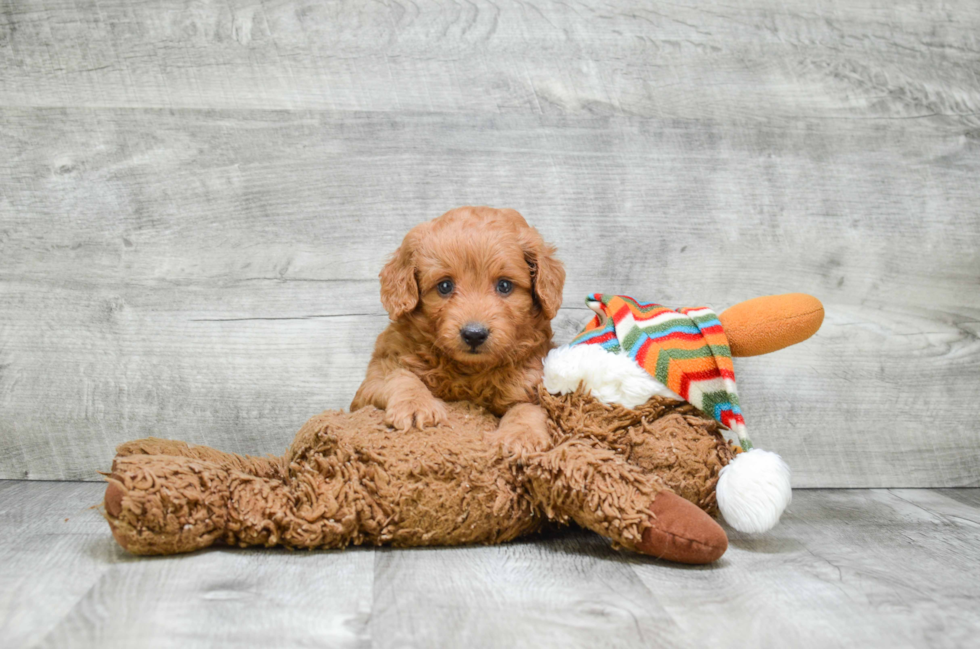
[767, 324]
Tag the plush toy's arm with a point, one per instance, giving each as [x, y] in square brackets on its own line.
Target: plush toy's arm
[767, 324]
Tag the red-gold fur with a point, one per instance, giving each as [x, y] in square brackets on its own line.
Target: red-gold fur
[420, 360]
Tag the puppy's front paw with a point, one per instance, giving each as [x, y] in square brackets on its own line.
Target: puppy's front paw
[519, 436]
[421, 413]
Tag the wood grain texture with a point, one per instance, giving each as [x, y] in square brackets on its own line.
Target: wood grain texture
[688, 59]
[52, 553]
[195, 200]
[861, 568]
[563, 591]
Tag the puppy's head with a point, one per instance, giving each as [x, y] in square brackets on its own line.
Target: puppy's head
[478, 283]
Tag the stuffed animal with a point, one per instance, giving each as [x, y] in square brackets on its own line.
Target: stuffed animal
[636, 406]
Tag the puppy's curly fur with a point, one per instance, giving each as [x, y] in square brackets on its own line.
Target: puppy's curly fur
[504, 283]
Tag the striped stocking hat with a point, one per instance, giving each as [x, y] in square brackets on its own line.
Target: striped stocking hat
[685, 350]
[631, 351]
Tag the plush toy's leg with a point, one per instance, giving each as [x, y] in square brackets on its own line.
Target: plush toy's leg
[681, 531]
[600, 490]
[162, 504]
[166, 504]
[267, 467]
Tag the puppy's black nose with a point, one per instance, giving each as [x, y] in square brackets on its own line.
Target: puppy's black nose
[474, 334]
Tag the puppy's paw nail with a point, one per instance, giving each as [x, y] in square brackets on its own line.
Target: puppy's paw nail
[398, 420]
[419, 415]
[431, 415]
[516, 438]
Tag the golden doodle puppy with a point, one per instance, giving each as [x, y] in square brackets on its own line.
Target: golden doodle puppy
[471, 295]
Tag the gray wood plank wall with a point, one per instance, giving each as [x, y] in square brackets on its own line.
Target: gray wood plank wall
[196, 198]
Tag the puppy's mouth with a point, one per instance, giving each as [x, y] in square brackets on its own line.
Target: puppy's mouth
[479, 354]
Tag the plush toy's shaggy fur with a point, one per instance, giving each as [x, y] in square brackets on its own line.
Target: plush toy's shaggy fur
[350, 479]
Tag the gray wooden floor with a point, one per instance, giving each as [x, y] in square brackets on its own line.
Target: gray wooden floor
[861, 568]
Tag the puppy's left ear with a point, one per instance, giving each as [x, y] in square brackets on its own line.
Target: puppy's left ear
[547, 273]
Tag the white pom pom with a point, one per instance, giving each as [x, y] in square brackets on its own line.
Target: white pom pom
[754, 490]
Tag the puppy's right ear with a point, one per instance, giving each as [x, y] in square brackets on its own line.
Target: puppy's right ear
[399, 288]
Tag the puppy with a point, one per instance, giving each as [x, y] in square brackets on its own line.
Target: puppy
[471, 295]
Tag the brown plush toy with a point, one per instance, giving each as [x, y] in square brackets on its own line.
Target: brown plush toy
[644, 474]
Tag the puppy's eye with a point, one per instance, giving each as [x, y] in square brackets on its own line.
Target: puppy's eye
[505, 286]
[445, 287]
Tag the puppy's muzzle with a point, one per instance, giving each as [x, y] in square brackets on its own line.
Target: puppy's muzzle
[474, 335]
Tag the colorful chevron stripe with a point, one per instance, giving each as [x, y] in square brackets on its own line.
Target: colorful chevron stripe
[686, 350]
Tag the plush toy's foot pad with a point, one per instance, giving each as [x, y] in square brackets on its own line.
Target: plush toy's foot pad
[682, 532]
[113, 503]
[114, 495]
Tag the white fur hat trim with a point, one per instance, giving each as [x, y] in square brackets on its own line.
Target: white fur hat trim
[609, 377]
[754, 490]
